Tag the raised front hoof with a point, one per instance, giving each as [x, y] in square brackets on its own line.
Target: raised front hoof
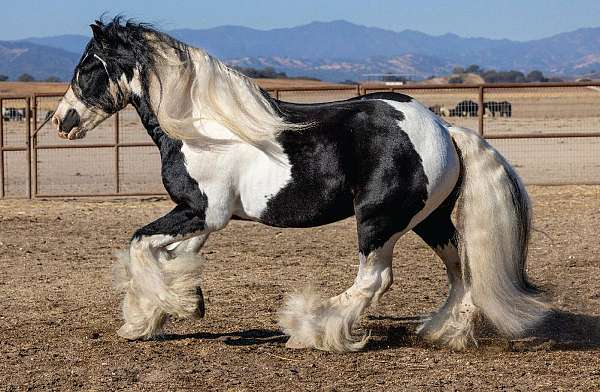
[295, 343]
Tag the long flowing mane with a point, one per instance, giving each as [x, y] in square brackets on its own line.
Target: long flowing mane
[191, 90]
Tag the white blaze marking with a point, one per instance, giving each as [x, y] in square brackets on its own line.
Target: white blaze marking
[104, 64]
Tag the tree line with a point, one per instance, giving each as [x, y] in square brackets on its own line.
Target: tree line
[25, 77]
[493, 76]
[267, 73]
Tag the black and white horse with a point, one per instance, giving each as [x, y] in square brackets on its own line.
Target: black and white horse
[230, 151]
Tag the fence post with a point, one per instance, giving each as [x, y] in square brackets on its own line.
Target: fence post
[481, 110]
[2, 148]
[117, 178]
[33, 148]
[28, 116]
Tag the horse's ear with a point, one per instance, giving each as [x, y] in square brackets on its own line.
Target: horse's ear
[98, 33]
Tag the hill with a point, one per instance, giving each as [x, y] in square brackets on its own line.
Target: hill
[18, 57]
[338, 50]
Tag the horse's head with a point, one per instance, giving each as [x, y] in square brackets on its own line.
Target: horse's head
[101, 84]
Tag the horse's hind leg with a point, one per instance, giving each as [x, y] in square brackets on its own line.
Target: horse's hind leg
[157, 281]
[453, 323]
[327, 324]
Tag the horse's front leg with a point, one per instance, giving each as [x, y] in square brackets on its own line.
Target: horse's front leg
[190, 248]
[160, 273]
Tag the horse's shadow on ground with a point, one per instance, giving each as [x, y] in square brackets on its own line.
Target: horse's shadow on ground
[240, 338]
[570, 331]
[559, 331]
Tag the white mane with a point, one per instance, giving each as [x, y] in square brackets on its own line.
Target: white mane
[202, 91]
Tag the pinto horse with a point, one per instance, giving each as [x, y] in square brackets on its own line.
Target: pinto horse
[230, 151]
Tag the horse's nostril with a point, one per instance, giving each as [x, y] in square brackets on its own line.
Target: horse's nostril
[55, 121]
[70, 121]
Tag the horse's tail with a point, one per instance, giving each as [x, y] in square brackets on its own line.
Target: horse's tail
[495, 220]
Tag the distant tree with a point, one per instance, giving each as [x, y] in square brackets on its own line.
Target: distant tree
[348, 81]
[536, 76]
[26, 78]
[493, 76]
[458, 70]
[455, 80]
[52, 79]
[3, 78]
[473, 68]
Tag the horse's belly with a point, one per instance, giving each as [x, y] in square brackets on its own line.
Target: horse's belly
[314, 207]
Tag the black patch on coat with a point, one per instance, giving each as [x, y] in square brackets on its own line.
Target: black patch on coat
[180, 221]
[438, 230]
[355, 159]
[182, 188]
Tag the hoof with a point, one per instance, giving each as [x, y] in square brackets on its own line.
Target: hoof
[130, 332]
[200, 309]
[295, 343]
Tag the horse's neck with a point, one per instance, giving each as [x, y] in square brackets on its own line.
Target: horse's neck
[149, 120]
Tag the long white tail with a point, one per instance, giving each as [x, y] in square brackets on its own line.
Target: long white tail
[494, 221]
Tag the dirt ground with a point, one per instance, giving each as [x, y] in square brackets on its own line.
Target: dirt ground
[59, 314]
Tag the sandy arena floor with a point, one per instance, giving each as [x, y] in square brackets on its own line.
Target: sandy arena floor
[59, 314]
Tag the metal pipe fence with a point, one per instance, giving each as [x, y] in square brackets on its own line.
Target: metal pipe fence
[550, 132]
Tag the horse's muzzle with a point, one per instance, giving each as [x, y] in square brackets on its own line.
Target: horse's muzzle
[68, 127]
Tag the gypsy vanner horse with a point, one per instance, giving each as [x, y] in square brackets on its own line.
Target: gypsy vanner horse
[230, 151]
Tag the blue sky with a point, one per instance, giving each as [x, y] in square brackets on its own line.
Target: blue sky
[519, 20]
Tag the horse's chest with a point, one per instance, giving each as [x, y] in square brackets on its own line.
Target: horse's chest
[239, 181]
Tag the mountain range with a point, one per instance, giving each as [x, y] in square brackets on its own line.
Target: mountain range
[335, 51]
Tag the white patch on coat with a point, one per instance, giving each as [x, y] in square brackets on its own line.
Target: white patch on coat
[433, 143]
[237, 178]
[135, 85]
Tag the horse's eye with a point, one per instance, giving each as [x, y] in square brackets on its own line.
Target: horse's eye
[92, 79]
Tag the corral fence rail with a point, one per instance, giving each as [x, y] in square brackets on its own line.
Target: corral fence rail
[549, 131]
